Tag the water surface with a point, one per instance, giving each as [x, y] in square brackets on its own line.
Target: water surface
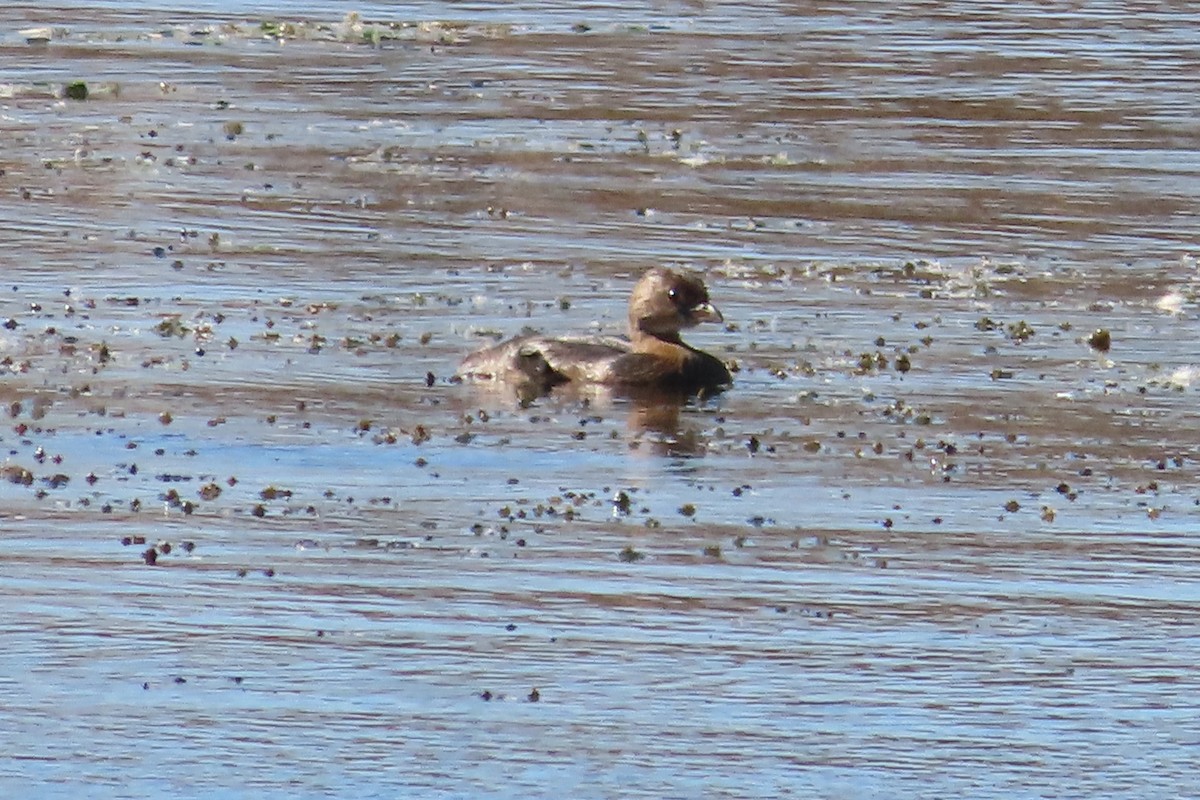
[240, 276]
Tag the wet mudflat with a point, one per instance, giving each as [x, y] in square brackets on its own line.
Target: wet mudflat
[938, 540]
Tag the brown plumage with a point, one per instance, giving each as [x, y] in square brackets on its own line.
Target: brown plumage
[662, 304]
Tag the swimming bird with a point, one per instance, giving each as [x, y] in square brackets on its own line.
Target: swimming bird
[663, 303]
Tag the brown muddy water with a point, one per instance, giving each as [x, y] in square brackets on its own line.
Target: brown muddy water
[937, 541]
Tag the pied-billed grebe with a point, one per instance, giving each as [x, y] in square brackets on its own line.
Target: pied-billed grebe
[663, 303]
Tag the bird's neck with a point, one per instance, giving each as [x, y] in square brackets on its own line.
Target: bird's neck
[651, 339]
[667, 345]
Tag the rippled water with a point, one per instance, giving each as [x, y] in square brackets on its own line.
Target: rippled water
[240, 275]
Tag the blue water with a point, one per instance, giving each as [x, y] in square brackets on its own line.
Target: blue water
[240, 275]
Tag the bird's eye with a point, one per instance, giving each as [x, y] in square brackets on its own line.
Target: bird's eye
[671, 293]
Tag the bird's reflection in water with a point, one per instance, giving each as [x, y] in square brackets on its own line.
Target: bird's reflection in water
[662, 422]
[667, 420]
